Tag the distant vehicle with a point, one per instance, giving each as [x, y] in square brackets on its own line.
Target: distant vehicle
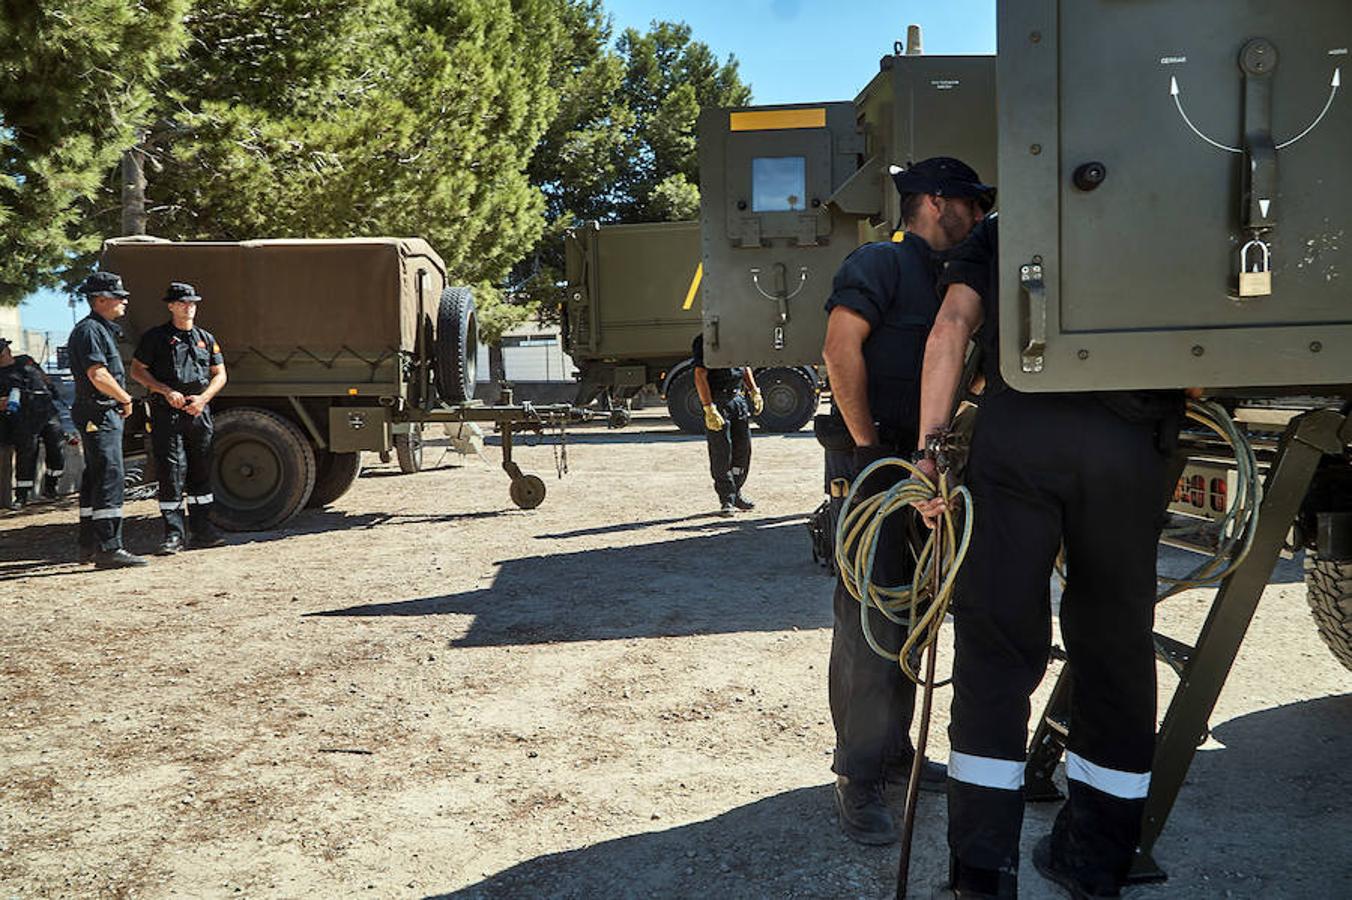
[632, 312]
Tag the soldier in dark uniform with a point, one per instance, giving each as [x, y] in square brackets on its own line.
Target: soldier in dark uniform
[182, 367]
[730, 398]
[101, 405]
[882, 304]
[34, 423]
[1086, 469]
[52, 435]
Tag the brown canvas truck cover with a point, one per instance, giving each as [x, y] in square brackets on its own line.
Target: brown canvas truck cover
[290, 310]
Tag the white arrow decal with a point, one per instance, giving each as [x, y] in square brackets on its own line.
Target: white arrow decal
[1174, 92]
[1264, 205]
[1334, 84]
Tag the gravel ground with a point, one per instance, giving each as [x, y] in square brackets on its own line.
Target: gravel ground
[422, 691]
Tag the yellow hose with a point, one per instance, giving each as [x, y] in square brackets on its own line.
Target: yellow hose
[858, 532]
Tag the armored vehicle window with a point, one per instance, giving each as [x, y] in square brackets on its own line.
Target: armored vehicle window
[778, 183]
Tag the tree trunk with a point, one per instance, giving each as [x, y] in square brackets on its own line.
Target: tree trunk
[133, 190]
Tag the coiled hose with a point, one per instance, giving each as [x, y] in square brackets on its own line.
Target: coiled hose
[920, 606]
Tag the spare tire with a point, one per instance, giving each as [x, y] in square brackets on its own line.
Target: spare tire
[335, 473]
[457, 345]
[262, 470]
[683, 402]
[790, 399]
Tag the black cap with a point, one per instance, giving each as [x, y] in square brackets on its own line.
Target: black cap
[944, 176]
[181, 291]
[5, 342]
[103, 283]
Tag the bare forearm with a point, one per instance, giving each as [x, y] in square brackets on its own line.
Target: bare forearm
[945, 353]
[141, 375]
[107, 384]
[218, 380]
[706, 396]
[848, 375]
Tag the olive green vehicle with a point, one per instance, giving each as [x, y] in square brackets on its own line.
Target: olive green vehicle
[1174, 184]
[631, 312]
[332, 347]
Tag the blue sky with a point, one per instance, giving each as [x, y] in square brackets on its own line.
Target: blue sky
[790, 51]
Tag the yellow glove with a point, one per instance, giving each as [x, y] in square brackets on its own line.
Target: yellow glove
[757, 402]
[713, 419]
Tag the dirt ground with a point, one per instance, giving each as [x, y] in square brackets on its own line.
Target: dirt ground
[423, 691]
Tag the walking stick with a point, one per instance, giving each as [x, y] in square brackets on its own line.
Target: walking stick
[918, 761]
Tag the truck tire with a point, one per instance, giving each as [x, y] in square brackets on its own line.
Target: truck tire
[457, 345]
[683, 403]
[409, 449]
[263, 472]
[335, 473]
[1328, 585]
[790, 399]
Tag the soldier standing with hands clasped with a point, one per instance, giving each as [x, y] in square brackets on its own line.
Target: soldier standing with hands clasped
[727, 422]
[182, 367]
[101, 405]
[882, 304]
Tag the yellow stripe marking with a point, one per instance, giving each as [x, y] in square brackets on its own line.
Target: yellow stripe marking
[694, 286]
[777, 119]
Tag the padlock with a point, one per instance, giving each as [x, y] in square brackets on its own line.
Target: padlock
[1255, 281]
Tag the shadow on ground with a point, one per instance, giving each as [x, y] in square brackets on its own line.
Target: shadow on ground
[786, 845]
[49, 549]
[1266, 816]
[676, 587]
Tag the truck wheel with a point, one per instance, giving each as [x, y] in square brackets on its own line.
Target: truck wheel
[335, 473]
[457, 345]
[1328, 585]
[683, 403]
[790, 399]
[409, 449]
[528, 491]
[263, 472]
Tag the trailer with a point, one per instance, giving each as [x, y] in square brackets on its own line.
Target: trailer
[332, 347]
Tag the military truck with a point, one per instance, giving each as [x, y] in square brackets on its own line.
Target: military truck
[631, 312]
[1174, 184]
[332, 347]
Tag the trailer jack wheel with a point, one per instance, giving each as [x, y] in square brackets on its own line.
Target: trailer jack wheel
[528, 491]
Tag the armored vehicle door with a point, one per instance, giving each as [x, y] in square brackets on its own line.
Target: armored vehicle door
[1176, 177]
[771, 238]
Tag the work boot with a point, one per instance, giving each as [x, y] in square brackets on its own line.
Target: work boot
[87, 554]
[15, 504]
[728, 508]
[118, 559]
[863, 814]
[172, 544]
[20, 498]
[1066, 878]
[933, 775]
[49, 483]
[207, 536]
[742, 503]
[967, 883]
